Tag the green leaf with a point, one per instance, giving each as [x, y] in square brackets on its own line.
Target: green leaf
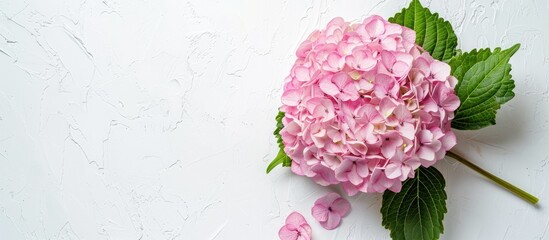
[279, 127]
[281, 157]
[433, 33]
[485, 84]
[416, 212]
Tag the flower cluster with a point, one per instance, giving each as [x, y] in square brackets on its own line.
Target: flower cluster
[365, 106]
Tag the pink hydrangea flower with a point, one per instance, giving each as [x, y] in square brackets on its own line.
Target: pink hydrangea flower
[296, 228]
[329, 210]
[365, 106]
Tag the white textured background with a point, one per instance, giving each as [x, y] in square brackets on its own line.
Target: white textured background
[152, 119]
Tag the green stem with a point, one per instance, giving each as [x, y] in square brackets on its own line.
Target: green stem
[512, 188]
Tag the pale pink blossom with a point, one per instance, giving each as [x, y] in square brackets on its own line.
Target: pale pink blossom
[361, 60]
[365, 106]
[385, 86]
[396, 63]
[339, 86]
[330, 209]
[428, 145]
[296, 228]
[353, 169]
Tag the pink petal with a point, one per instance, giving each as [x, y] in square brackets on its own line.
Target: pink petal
[291, 98]
[349, 93]
[302, 74]
[304, 237]
[396, 187]
[423, 65]
[296, 168]
[328, 87]
[292, 128]
[295, 219]
[333, 221]
[440, 154]
[387, 107]
[324, 176]
[341, 206]
[350, 189]
[435, 145]
[430, 105]
[391, 29]
[409, 35]
[331, 159]
[440, 70]
[304, 48]
[426, 153]
[371, 113]
[448, 140]
[389, 43]
[341, 172]
[452, 81]
[359, 148]
[320, 212]
[305, 231]
[319, 138]
[405, 172]
[367, 64]
[451, 103]
[401, 69]
[407, 130]
[416, 76]
[388, 59]
[354, 178]
[375, 28]
[351, 61]
[309, 154]
[384, 85]
[341, 80]
[405, 58]
[402, 113]
[388, 151]
[370, 137]
[324, 110]
[335, 62]
[337, 21]
[286, 234]
[384, 182]
[346, 48]
[393, 171]
[360, 60]
[327, 199]
[425, 136]
[362, 169]
[390, 142]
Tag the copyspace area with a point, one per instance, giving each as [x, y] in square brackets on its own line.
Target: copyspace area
[152, 119]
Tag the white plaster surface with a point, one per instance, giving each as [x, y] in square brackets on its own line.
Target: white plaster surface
[152, 119]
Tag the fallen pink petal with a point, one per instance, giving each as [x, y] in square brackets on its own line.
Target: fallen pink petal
[296, 228]
[330, 209]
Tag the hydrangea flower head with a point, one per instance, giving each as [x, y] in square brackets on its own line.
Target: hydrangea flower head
[365, 106]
